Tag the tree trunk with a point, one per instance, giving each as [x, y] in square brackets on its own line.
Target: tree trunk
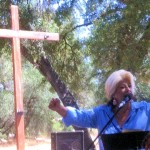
[63, 92]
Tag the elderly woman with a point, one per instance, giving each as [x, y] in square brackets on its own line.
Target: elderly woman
[132, 116]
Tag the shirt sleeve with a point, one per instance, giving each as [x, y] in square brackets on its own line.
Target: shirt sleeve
[147, 105]
[81, 118]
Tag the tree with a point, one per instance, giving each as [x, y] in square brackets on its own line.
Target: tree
[120, 39]
[38, 59]
[119, 34]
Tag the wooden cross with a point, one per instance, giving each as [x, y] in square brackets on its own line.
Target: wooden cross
[16, 34]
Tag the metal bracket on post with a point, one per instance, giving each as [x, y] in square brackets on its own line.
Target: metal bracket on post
[20, 112]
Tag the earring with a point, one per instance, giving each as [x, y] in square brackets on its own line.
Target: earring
[114, 102]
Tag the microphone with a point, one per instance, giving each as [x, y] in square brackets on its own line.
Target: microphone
[126, 99]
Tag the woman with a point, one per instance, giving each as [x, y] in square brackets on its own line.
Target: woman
[132, 116]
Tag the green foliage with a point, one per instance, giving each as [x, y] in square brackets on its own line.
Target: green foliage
[37, 94]
[36, 99]
[6, 95]
[121, 42]
[2, 136]
[57, 126]
[118, 38]
[6, 92]
[6, 104]
[143, 91]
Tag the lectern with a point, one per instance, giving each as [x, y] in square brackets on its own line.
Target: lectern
[134, 140]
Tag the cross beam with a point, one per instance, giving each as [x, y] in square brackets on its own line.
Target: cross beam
[16, 34]
[29, 35]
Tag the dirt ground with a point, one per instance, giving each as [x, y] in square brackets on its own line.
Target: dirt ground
[29, 145]
[33, 147]
[36, 144]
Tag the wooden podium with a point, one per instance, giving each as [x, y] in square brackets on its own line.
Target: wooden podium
[134, 140]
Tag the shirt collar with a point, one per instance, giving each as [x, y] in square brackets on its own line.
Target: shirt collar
[135, 105]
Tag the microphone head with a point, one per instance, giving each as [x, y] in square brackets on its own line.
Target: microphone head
[126, 99]
[128, 96]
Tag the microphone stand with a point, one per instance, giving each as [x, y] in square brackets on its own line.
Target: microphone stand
[111, 119]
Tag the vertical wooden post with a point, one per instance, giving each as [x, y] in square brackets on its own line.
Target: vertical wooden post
[18, 94]
[16, 34]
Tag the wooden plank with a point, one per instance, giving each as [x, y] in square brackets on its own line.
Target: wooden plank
[16, 34]
[17, 74]
[29, 35]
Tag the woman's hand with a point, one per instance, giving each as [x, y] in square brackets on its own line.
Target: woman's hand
[56, 106]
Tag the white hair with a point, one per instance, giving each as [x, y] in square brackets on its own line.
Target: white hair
[113, 80]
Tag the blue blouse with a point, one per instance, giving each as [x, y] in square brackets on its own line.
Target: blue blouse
[97, 117]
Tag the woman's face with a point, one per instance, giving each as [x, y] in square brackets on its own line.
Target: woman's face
[123, 88]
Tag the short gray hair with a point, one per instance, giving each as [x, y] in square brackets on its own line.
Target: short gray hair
[113, 80]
